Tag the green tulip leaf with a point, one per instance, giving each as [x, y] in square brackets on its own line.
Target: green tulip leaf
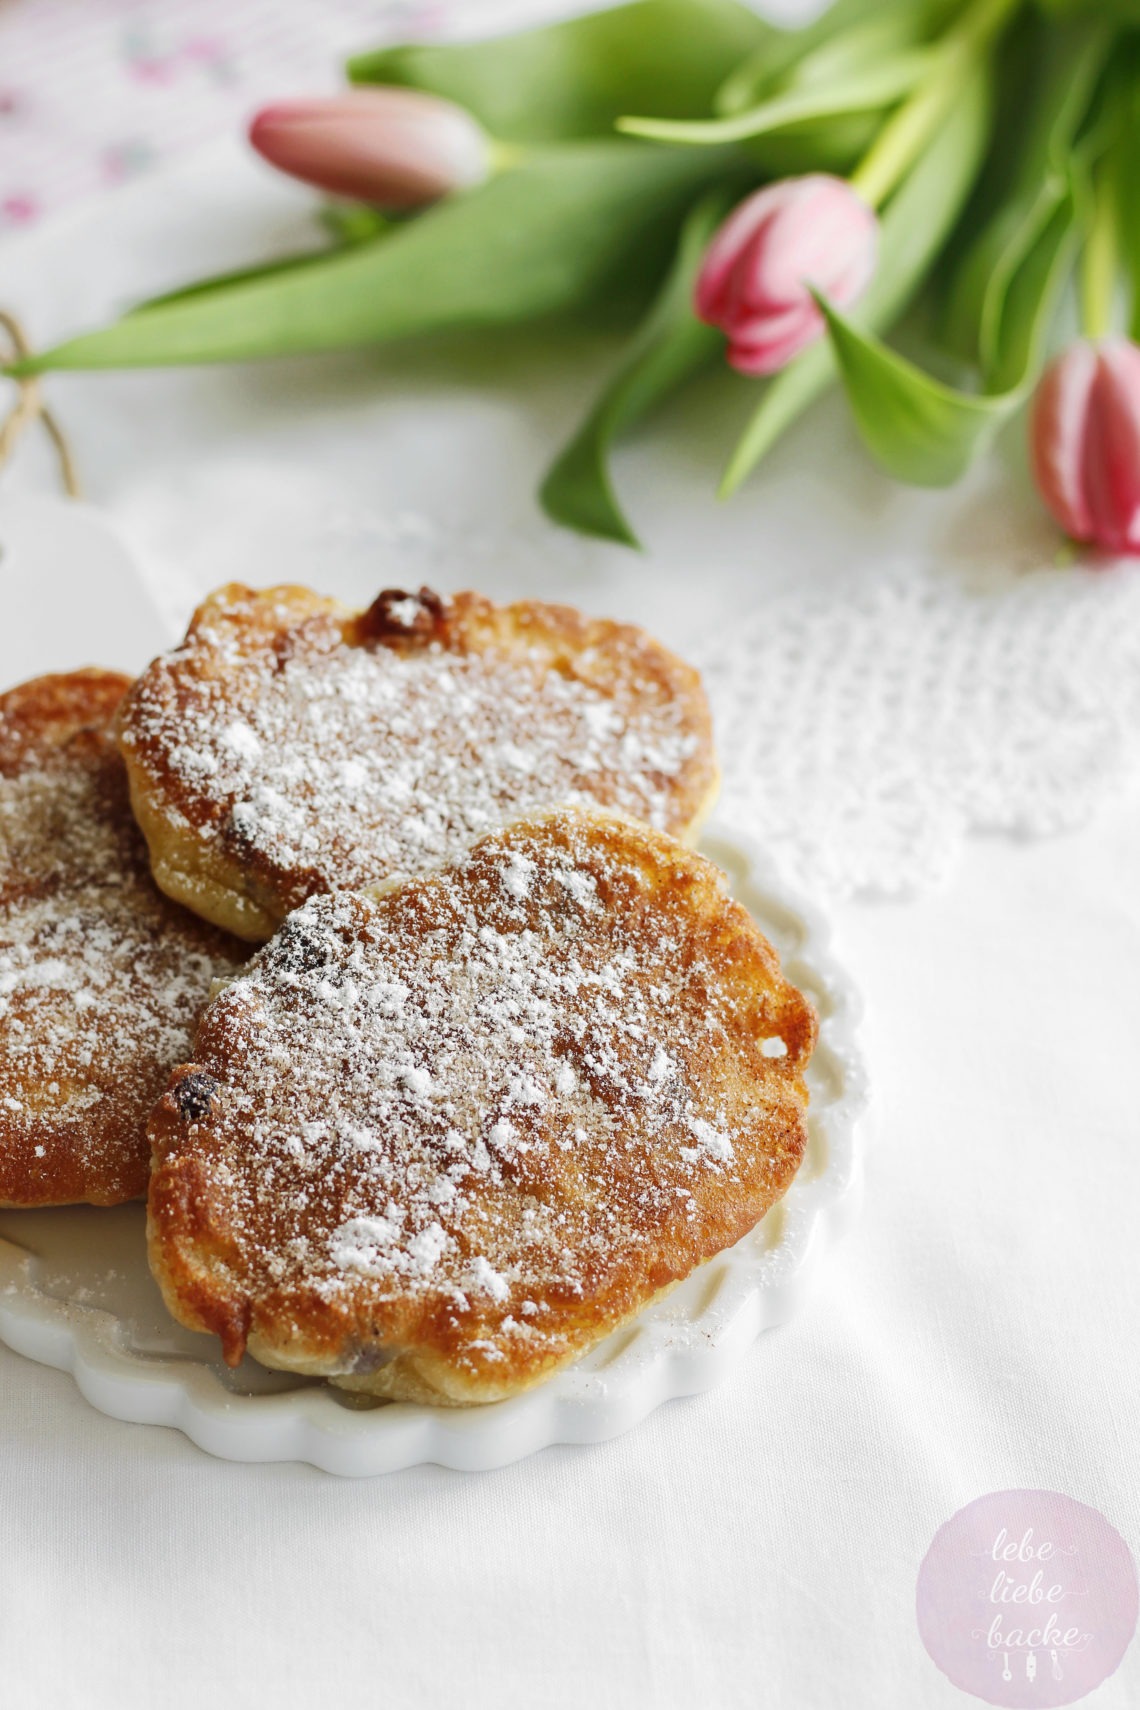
[1072, 62]
[1130, 225]
[1118, 176]
[568, 226]
[850, 36]
[1034, 293]
[924, 432]
[671, 345]
[355, 222]
[286, 264]
[348, 222]
[573, 79]
[918, 429]
[863, 91]
[1104, 11]
[834, 145]
[915, 225]
[848, 39]
[873, 37]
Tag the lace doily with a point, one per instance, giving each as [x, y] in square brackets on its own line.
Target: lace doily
[864, 734]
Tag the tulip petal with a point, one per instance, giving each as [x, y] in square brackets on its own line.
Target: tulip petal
[1111, 454]
[394, 147]
[723, 253]
[1057, 432]
[779, 244]
[915, 226]
[769, 358]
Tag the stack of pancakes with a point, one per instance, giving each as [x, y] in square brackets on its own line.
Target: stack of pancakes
[511, 1062]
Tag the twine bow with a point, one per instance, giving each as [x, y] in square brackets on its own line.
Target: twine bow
[30, 407]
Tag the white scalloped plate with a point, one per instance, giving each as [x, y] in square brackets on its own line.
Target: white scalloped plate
[75, 1291]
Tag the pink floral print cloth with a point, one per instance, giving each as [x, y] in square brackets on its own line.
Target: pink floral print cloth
[93, 92]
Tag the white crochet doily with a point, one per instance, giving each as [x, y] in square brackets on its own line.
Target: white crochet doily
[863, 733]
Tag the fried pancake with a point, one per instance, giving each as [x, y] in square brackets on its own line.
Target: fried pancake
[291, 746]
[439, 1139]
[101, 976]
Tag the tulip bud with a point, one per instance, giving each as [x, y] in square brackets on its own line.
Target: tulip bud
[756, 276]
[1085, 442]
[397, 148]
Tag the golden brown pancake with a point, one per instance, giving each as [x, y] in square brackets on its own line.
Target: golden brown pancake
[291, 746]
[101, 976]
[438, 1140]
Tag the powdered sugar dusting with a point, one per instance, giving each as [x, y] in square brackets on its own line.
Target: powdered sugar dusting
[101, 979]
[331, 762]
[492, 1106]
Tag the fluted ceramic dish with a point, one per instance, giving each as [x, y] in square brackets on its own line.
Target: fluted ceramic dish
[75, 1291]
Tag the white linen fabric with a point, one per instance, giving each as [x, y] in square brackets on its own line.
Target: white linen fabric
[757, 1546]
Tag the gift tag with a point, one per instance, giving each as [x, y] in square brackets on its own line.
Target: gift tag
[71, 594]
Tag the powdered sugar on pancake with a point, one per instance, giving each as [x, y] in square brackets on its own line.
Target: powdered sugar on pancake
[101, 978]
[321, 757]
[500, 1092]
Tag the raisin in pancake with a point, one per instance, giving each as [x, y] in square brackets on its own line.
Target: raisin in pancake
[101, 976]
[291, 746]
[439, 1139]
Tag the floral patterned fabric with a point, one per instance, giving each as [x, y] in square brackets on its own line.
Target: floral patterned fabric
[93, 92]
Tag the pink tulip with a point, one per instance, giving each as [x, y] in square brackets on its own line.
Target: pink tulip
[756, 276]
[395, 147]
[1085, 442]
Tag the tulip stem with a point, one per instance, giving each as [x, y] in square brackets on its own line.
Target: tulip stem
[910, 128]
[1100, 258]
[501, 156]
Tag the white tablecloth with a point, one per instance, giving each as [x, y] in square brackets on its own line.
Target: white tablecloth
[976, 1332]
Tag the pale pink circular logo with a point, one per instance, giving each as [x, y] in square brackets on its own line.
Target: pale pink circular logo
[1027, 1598]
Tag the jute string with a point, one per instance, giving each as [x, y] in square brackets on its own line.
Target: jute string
[30, 407]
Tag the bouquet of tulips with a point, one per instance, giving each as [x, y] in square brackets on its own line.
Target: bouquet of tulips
[729, 191]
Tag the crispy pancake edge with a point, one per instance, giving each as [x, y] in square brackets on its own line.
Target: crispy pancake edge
[246, 896]
[38, 719]
[200, 1272]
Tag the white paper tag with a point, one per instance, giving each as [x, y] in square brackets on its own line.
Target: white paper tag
[70, 592]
